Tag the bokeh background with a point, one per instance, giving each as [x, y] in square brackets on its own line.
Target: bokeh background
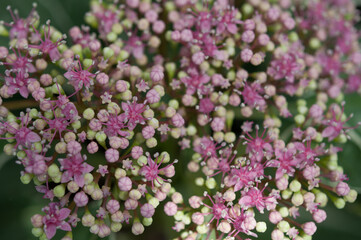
[19, 202]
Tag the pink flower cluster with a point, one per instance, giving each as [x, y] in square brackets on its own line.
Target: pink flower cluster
[98, 112]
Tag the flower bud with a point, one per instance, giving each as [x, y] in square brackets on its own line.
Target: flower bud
[137, 228]
[115, 226]
[261, 227]
[224, 227]
[342, 189]
[81, 199]
[295, 186]
[309, 228]
[297, 199]
[277, 235]
[88, 114]
[351, 196]
[59, 191]
[283, 226]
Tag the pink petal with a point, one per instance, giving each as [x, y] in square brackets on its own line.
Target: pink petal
[68, 75]
[54, 54]
[50, 231]
[65, 227]
[329, 132]
[64, 213]
[87, 168]
[232, 28]
[24, 92]
[33, 137]
[65, 177]
[79, 179]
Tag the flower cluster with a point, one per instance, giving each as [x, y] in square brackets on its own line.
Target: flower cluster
[215, 77]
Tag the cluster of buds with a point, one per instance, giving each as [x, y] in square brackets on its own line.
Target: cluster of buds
[94, 112]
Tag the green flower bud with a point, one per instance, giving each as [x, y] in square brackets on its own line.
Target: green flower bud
[135, 194]
[115, 227]
[321, 198]
[160, 90]
[123, 195]
[53, 170]
[165, 156]
[170, 68]
[283, 211]
[300, 119]
[149, 113]
[127, 95]
[261, 227]
[108, 52]
[211, 183]
[100, 137]
[179, 215]
[154, 202]
[123, 55]
[231, 75]
[293, 36]
[151, 142]
[57, 179]
[297, 199]
[286, 194]
[247, 9]
[191, 130]
[119, 172]
[33, 113]
[218, 136]
[230, 137]
[339, 203]
[37, 232]
[135, 171]
[315, 43]
[117, 28]
[342, 138]
[170, 112]
[21, 155]
[351, 196]
[112, 36]
[88, 114]
[147, 221]
[9, 149]
[77, 50]
[76, 125]
[173, 104]
[88, 178]
[295, 186]
[26, 178]
[283, 226]
[202, 229]
[199, 181]
[59, 191]
[142, 160]
[302, 110]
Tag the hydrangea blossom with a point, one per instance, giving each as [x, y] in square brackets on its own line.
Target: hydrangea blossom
[104, 115]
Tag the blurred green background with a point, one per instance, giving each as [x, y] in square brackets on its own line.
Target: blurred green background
[19, 202]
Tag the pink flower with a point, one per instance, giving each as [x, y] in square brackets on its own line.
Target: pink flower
[218, 209]
[254, 198]
[335, 125]
[79, 77]
[55, 218]
[133, 113]
[74, 168]
[152, 170]
[47, 46]
[251, 95]
[242, 222]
